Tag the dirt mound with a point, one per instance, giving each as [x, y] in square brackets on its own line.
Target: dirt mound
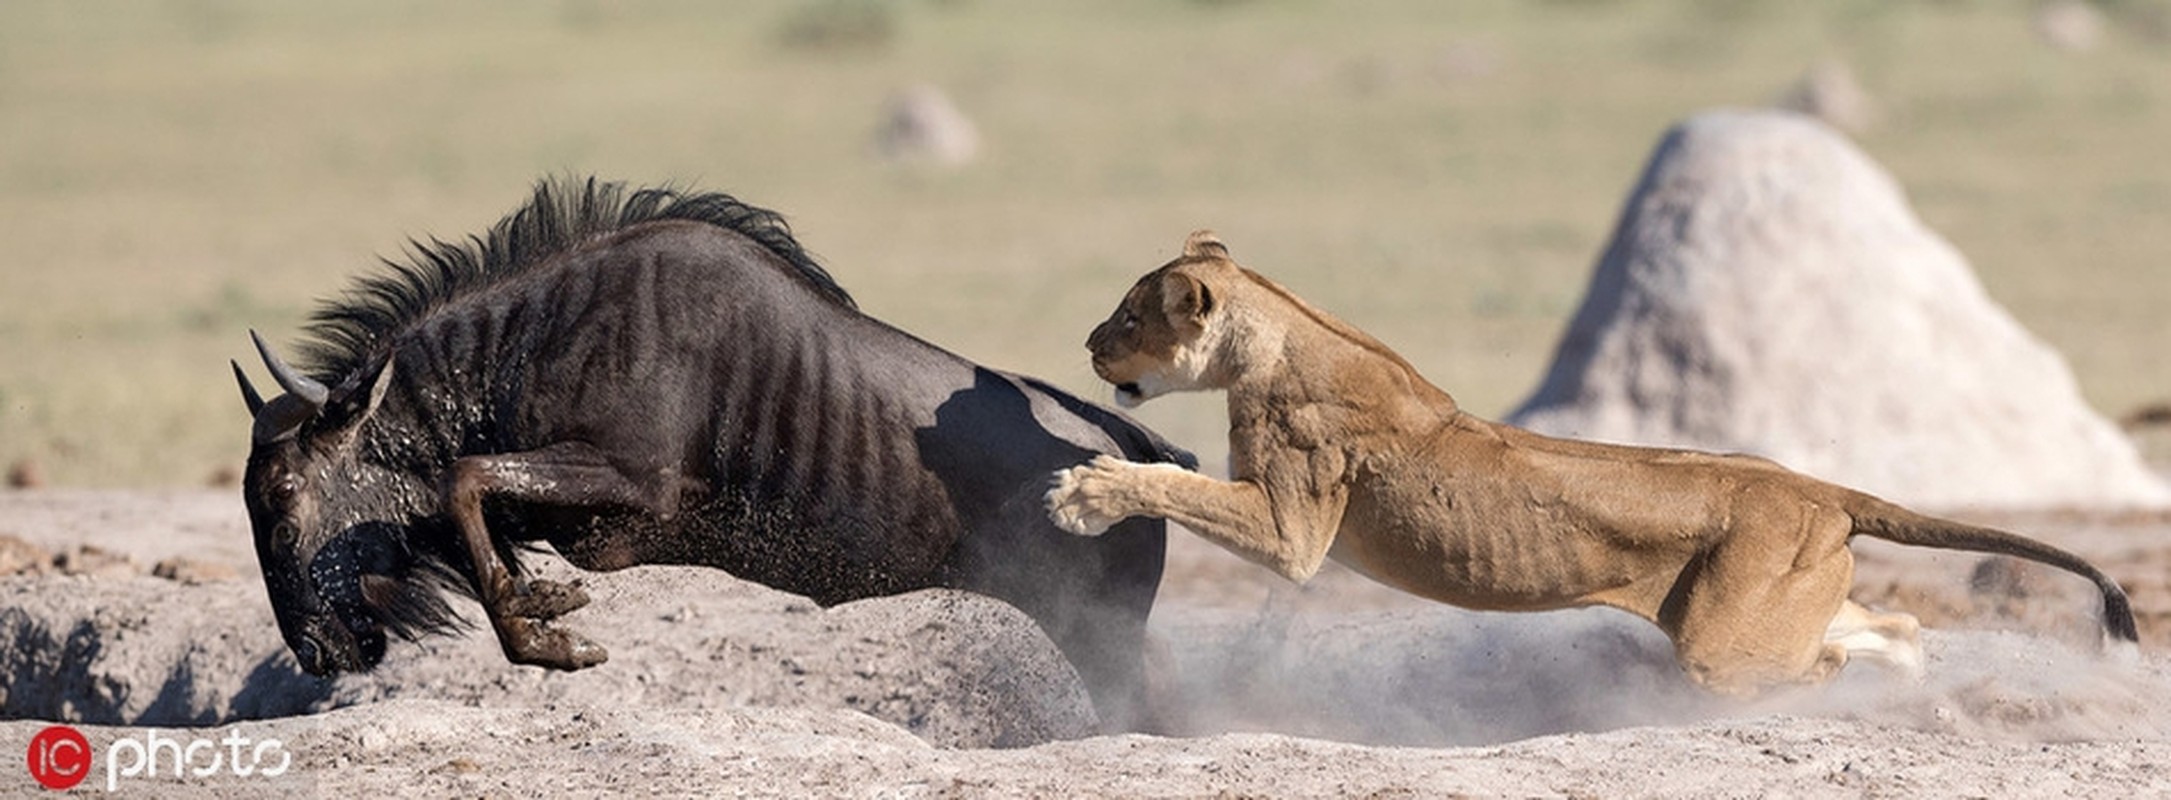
[922, 125]
[1768, 290]
[955, 668]
[715, 684]
[1829, 92]
[142, 650]
[958, 669]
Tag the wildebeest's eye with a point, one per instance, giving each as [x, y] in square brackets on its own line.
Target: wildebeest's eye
[1130, 320]
[283, 488]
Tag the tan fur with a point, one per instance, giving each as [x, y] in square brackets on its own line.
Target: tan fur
[1339, 447]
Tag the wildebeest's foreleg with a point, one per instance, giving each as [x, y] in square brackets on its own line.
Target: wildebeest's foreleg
[570, 474]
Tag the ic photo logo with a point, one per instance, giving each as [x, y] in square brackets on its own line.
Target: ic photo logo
[60, 758]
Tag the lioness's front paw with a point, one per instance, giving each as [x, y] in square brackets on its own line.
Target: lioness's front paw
[1084, 498]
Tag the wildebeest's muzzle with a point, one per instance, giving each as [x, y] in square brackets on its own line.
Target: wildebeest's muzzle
[323, 610]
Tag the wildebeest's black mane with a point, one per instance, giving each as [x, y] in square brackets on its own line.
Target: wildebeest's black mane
[562, 215]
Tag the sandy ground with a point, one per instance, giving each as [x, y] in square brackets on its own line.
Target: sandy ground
[1339, 688]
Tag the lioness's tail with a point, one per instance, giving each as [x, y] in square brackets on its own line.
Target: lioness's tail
[1874, 517]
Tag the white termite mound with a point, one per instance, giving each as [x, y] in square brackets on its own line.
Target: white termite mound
[1768, 290]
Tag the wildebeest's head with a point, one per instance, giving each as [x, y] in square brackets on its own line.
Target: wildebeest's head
[331, 530]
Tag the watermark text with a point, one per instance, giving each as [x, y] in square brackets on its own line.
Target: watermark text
[60, 757]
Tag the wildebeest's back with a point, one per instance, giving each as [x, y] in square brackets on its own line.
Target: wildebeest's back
[692, 355]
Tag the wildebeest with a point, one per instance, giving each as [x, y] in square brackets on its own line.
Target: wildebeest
[662, 377]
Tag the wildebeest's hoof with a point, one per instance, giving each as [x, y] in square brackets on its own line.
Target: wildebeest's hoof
[581, 652]
[529, 641]
[547, 600]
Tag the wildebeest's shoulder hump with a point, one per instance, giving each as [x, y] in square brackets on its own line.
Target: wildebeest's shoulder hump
[562, 215]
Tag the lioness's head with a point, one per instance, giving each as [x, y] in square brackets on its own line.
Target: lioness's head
[1162, 337]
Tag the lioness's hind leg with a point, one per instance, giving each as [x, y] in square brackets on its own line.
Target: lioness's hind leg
[1755, 610]
[1890, 639]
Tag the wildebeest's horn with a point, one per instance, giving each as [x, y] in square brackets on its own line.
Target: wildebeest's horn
[294, 383]
[248, 390]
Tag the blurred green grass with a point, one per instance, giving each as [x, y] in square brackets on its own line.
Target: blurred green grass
[1442, 174]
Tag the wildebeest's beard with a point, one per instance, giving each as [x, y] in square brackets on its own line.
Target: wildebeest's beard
[373, 583]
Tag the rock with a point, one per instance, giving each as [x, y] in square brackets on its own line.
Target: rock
[964, 670]
[2002, 578]
[224, 476]
[135, 650]
[95, 561]
[2151, 415]
[957, 669]
[1768, 290]
[26, 474]
[923, 125]
[2069, 25]
[2010, 588]
[19, 557]
[1829, 92]
[193, 571]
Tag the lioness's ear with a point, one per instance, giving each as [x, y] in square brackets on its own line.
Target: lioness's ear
[1204, 244]
[1186, 297]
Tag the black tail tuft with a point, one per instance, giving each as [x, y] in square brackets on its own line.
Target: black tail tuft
[1892, 523]
[2118, 614]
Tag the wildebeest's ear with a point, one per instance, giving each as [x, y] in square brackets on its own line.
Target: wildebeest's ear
[1204, 244]
[356, 399]
[1186, 297]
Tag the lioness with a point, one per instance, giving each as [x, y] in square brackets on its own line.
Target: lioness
[1338, 447]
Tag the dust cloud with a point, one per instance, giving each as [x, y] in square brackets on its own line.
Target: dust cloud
[1447, 677]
